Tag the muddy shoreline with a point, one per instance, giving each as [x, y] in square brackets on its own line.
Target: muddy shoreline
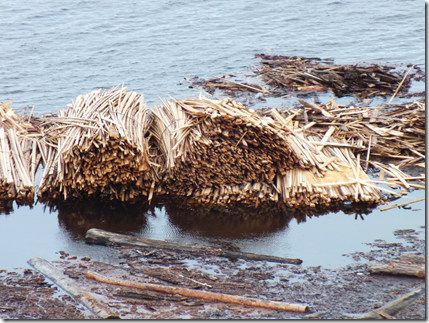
[341, 293]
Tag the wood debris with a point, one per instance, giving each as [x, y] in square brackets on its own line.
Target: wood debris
[19, 155]
[99, 147]
[220, 152]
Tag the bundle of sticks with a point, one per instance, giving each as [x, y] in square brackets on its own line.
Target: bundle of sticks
[99, 146]
[19, 155]
[219, 152]
[294, 73]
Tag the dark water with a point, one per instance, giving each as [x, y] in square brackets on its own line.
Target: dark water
[53, 51]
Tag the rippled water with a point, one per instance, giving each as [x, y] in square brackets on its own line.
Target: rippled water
[53, 51]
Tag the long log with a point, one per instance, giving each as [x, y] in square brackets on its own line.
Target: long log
[97, 236]
[200, 294]
[81, 295]
[398, 267]
[394, 307]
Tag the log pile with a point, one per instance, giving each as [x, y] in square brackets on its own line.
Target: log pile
[99, 147]
[220, 152]
[19, 155]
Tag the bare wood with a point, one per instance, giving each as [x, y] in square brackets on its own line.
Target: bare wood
[394, 307]
[201, 294]
[97, 236]
[398, 267]
[398, 205]
[407, 257]
[81, 295]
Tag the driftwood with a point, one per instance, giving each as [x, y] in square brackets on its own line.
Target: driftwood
[403, 204]
[201, 294]
[97, 236]
[392, 308]
[408, 264]
[82, 296]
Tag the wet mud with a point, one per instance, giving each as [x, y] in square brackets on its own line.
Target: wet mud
[341, 293]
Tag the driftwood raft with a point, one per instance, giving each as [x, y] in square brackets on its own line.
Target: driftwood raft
[20, 155]
[219, 152]
[99, 147]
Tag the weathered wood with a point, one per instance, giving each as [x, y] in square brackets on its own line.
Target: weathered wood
[201, 294]
[97, 236]
[81, 295]
[416, 259]
[394, 307]
[398, 267]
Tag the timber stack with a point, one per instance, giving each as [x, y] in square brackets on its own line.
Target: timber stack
[99, 147]
[220, 152]
[20, 155]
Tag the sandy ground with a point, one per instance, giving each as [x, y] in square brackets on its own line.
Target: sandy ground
[343, 293]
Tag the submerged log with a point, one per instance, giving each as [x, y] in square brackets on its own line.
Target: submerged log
[97, 236]
[392, 308]
[81, 295]
[201, 294]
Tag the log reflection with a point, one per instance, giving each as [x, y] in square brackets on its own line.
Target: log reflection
[78, 217]
[238, 222]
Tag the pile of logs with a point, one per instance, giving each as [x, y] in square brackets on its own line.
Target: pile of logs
[99, 147]
[19, 155]
[219, 152]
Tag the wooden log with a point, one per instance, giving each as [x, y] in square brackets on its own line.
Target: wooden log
[66, 283]
[407, 257]
[97, 236]
[398, 267]
[394, 307]
[200, 294]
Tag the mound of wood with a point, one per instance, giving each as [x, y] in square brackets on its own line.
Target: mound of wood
[99, 147]
[19, 155]
[220, 152]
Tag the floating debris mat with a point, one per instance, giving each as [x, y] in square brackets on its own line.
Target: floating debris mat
[19, 155]
[99, 147]
[294, 73]
[390, 131]
[220, 152]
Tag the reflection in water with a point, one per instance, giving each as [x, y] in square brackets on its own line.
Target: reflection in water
[6, 206]
[240, 222]
[80, 216]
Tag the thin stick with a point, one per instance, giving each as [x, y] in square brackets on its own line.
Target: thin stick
[400, 84]
[200, 294]
[398, 205]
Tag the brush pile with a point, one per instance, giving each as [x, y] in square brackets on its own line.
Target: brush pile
[219, 152]
[19, 155]
[99, 147]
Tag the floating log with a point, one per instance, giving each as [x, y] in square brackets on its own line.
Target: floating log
[82, 296]
[200, 294]
[97, 236]
[392, 308]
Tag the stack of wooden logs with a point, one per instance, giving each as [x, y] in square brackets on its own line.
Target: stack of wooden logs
[99, 147]
[19, 155]
[220, 152]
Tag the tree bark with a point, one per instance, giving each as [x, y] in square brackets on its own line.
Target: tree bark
[201, 294]
[97, 236]
[81, 295]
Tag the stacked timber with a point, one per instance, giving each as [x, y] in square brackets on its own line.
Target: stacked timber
[19, 155]
[99, 147]
[220, 152]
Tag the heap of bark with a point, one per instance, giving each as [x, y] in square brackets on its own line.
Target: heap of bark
[19, 155]
[220, 152]
[99, 147]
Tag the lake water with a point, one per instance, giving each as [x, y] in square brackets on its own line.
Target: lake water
[53, 51]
